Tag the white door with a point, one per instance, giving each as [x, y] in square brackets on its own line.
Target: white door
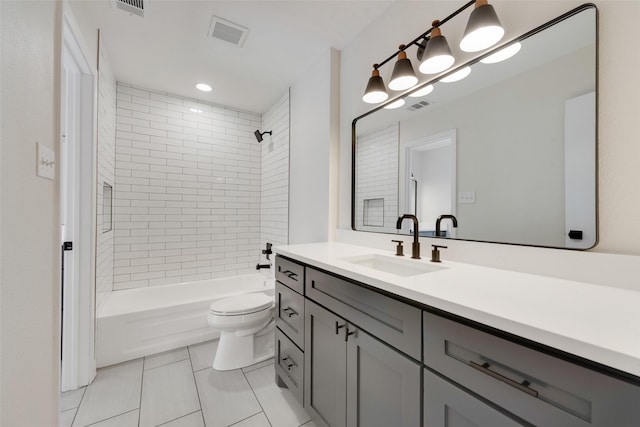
[77, 213]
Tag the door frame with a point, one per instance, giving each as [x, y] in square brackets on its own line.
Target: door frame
[441, 139]
[78, 364]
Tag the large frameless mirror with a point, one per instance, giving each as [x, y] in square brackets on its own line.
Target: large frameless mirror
[510, 150]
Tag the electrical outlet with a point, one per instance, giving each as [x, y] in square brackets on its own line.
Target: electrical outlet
[466, 197]
[46, 162]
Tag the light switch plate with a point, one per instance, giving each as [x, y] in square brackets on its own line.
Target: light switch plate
[46, 162]
[466, 197]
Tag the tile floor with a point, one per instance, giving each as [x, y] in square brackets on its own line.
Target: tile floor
[179, 388]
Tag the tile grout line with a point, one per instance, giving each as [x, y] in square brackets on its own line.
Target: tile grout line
[109, 418]
[141, 387]
[256, 396]
[182, 416]
[75, 414]
[196, 384]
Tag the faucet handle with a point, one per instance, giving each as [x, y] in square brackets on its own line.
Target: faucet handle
[435, 253]
[399, 247]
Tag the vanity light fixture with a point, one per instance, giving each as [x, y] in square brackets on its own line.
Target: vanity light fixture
[457, 76]
[375, 91]
[403, 76]
[204, 87]
[502, 54]
[395, 104]
[422, 92]
[437, 55]
[483, 30]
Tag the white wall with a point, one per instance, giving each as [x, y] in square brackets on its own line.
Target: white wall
[619, 200]
[187, 195]
[29, 217]
[313, 134]
[274, 180]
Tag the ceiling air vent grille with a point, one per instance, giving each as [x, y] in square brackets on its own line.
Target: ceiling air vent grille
[135, 7]
[228, 31]
[418, 105]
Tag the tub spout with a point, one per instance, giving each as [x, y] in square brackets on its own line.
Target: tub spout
[261, 266]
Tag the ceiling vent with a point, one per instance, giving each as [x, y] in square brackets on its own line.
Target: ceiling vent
[134, 7]
[228, 31]
[418, 105]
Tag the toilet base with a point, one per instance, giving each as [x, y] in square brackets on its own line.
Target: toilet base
[236, 352]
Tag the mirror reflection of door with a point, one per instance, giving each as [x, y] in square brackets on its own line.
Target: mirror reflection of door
[430, 182]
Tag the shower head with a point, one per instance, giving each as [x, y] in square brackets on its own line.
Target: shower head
[259, 134]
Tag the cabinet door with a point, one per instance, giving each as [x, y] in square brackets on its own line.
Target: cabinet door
[446, 405]
[383, 386]
[325, 366]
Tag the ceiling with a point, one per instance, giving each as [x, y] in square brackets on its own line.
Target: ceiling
[168, 49]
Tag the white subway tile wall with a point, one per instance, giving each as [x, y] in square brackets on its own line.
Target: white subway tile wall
[105, 173]
[377, 165]
[274, 206]
[188, 189]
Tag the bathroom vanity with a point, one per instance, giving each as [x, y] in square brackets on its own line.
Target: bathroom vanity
[366, 338]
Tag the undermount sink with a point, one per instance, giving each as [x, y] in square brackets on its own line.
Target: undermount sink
[394, 265]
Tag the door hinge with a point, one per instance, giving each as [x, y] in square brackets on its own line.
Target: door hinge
[67, 246]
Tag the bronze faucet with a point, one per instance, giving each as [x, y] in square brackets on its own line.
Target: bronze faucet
[415, 247]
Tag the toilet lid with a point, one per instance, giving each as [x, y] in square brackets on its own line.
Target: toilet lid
[242, 304]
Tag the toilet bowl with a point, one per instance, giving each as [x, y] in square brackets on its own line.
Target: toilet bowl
[247, 325]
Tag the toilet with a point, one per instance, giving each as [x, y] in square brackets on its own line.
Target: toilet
[247, 325]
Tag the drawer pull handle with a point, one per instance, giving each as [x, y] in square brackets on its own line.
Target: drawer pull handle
[290, 312]
[347, 333]
[339, 327]
[290, 274]
[523, 386]
[289, 364]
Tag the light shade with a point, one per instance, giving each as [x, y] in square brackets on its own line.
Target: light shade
[502, 54]
[483, 28]
[437, 55]
[375, 91]
[422, 92]
[395, 104]
[458, 75]
[403, 76]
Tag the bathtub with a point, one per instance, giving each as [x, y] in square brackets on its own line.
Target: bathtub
[138, 322]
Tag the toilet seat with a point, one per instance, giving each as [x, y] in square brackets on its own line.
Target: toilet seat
[241, 305]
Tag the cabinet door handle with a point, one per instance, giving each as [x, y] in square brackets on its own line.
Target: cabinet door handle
[523, 386]
[290, 312]
[289, 364]
[347, 333]
[339, 327]
[290, 274]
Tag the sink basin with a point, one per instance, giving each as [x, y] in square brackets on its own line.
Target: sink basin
[394, 265]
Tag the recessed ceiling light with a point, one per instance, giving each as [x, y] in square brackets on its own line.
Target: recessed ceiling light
[204, 87]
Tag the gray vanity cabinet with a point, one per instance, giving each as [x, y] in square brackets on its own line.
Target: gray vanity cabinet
[325, 362]
[524, 383]
[289, 336]
[352, 379]
[446, 405]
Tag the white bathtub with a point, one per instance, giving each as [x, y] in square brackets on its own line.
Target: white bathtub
[139, 322]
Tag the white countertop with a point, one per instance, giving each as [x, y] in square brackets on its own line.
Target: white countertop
[597, 323]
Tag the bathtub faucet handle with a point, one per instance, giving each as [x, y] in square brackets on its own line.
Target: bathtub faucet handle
[267, 251]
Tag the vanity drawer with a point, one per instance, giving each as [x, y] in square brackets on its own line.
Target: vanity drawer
[394, 322]
[290, 313]
[289, 364]
[534, 386]
[290, 273]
